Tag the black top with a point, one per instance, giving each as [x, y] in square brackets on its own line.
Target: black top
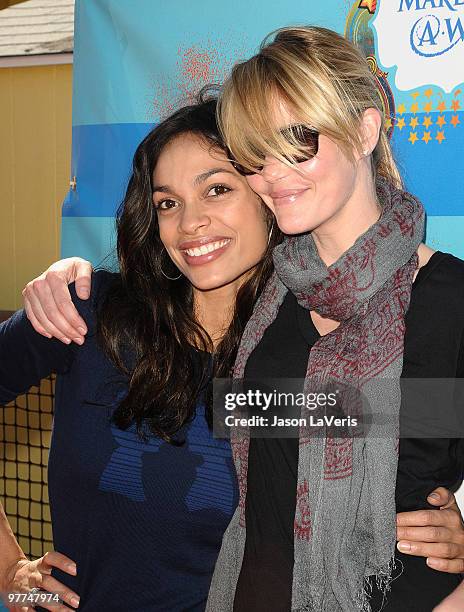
[433, 347]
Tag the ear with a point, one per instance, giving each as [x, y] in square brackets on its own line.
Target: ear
[371, 124]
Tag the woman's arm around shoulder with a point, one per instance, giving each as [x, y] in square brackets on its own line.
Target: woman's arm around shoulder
[48, 302]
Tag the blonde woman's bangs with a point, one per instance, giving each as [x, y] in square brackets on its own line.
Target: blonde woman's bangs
[240, 120]
[250, 98]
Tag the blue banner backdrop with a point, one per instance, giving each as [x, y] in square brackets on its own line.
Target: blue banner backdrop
[135, 62]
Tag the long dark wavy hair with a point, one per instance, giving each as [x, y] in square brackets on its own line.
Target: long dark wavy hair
[151, 318]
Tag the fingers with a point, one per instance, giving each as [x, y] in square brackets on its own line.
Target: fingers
[441, 497]
[34, 304]
[83, 279]
[434, 534]
[430, 533]
[33, 319]
[59, 292]
[58, 560]
[51, 585]
[437, 550]
[422, 518]
[417, 518]
[64, 594]
[451, 566]
[49, 302]
[37, 574]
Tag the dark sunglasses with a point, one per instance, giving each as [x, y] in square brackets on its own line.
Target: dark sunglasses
[305, 137]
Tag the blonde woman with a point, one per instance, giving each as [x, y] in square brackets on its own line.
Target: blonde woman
[356, 296]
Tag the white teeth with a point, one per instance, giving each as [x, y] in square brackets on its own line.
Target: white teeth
[206, 248]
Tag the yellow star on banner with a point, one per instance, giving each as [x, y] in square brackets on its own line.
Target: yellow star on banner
[440, 136]
[427, 121]
[441, 106]
[414, 121]
[426, 137]
[401, 123]
[414, 107]
[455, 105]
[428, 92]
[388, 123]
[441, 120]
[455, 120]
[369, 4]
[415, 95]
[412, 137]
[401, 109]
[428, 107]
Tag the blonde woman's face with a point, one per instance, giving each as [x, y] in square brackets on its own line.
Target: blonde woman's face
[311, 197]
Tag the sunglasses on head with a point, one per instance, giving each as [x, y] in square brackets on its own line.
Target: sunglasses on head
[304, 137]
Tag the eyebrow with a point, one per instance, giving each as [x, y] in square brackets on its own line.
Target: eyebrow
[201, 178]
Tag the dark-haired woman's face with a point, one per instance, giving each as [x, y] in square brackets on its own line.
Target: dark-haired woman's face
[211, 223]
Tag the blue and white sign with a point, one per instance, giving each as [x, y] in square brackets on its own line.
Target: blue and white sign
[135, 62]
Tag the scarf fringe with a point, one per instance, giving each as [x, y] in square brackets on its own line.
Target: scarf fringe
[383, 580]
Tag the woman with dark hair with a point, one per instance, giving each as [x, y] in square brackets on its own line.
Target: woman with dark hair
[140, 491]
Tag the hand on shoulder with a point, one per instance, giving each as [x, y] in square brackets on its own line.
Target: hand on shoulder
[48, 303]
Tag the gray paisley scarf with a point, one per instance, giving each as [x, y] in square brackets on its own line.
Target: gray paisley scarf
[345, 521]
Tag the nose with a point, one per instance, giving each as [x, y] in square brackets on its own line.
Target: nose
[274, 170]
[193, 217]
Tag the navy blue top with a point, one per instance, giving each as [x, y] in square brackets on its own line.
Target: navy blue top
[143, 521]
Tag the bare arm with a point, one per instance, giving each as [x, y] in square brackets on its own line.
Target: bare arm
[11, 551]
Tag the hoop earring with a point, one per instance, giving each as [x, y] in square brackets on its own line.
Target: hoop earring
[270, 234]
[169, 277]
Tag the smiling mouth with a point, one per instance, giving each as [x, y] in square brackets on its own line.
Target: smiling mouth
[285, 193]
[205, 249]
[288, 196]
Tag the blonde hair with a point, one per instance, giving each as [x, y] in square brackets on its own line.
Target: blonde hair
[321, 78]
